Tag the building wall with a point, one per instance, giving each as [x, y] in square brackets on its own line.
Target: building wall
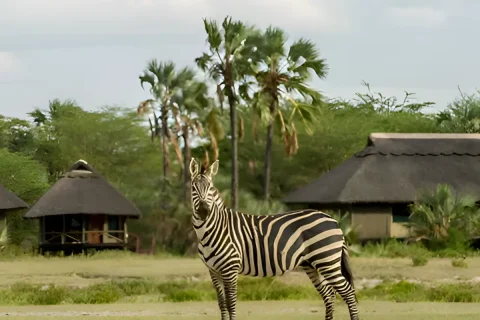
[398, 230]
[372, 222]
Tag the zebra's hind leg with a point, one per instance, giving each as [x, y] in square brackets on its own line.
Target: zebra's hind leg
[345, 289]
[326, 291]
[230, 282]
[219, 288]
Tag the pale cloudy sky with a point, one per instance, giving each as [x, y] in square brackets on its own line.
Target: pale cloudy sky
[94, 50]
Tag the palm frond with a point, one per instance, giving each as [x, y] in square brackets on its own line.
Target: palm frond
[214, 38]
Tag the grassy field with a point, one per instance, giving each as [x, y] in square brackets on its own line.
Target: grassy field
[79, 271]
[253, 310]
[146, 279]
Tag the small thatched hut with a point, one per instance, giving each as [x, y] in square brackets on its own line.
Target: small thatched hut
[82, 210]
[379, 182]
[8, 202]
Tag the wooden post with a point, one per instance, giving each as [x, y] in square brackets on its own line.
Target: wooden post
[125, 231]
[83, 229]
[42, 230]
[63, 229]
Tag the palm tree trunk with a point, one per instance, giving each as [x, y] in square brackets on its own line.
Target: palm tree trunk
[233, 128]
[186, 161]
[165, 137]
[268, 152]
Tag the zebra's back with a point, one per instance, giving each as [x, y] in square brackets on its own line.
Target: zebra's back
[272, 245]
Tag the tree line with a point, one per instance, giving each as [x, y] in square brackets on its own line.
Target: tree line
[279, 131]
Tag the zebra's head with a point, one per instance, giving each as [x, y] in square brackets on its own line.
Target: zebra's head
[203, 191]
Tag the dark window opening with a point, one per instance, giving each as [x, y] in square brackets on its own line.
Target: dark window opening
[113, 223]
[400, 213]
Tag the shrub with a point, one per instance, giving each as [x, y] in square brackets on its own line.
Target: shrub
[419, 261]
[459, 263]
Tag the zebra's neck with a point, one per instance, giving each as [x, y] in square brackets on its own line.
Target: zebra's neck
[218, 216]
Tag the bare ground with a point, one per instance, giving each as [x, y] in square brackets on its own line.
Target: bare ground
[253, 310]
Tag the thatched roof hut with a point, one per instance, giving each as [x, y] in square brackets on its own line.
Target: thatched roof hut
[9, 201]
[82, 210]
[391, 171]
[82, 190]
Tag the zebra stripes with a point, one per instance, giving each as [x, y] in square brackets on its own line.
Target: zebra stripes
[232, 243]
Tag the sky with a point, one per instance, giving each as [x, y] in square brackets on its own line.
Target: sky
[93, 51]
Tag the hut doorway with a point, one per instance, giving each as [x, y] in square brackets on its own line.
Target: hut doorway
[95, 223]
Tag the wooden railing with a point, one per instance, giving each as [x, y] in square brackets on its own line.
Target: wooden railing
[79, 237]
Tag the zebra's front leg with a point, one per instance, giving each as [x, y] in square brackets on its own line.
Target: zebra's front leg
[230, 282]
[219, 288]
[326, 291]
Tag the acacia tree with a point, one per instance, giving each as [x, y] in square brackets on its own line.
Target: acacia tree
[165, 81]
[225, 63]
[279, 72]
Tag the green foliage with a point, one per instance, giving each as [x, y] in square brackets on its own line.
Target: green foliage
[444, 219]
[462, 115]
[27, 179]
[393, 248]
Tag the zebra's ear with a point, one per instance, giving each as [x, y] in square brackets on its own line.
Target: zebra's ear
[193, 168]
[213, 169]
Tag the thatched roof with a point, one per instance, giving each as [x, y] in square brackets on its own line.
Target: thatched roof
[9, 201]
[395, 167]
[82, 190]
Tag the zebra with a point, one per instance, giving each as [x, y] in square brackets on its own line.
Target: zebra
[232, 243]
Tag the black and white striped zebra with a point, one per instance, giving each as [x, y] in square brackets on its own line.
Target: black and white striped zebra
[232, 243]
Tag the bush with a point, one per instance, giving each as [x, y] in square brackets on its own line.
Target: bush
[459, 263]
[419, 261]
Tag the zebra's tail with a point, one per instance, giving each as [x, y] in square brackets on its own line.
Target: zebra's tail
[346, 270]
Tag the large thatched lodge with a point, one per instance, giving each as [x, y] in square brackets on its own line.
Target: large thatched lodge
[82, 210]
[378, 183]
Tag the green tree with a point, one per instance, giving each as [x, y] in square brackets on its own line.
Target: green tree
[462, 115]
[27, 179]
[281, 71]
[164, 81]
[48, 133]
[226, 63]
[16, 135]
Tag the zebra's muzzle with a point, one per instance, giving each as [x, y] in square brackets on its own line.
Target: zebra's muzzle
[202, 209]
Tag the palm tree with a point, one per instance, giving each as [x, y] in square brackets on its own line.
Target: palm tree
[225, 63]
[165, 81]
[436, 215]
[279, 71]
[194, 112]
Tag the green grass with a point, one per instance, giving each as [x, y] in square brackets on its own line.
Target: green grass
[397, 249]
[249, 289]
